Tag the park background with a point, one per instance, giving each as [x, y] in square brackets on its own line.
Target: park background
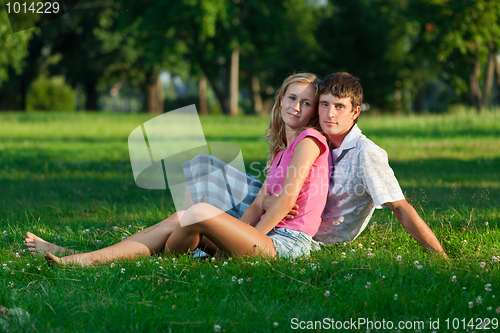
[228, 56]
[73, 89]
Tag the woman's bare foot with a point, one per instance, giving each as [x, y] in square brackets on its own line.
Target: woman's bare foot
[37, 245]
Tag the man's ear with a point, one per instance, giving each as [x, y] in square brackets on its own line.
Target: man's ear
[356, 112]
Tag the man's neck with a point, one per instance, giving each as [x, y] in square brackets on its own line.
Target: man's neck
[338, 139]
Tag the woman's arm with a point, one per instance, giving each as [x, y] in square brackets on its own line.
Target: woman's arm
[253, 213]
[305, 153]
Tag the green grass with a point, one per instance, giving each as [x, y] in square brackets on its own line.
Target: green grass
[64, 173]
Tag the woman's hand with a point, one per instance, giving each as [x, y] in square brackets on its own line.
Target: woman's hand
[268, 201]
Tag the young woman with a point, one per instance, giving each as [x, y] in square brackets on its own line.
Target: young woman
[298, 173]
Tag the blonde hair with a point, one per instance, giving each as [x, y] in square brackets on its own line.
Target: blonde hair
[275, 132]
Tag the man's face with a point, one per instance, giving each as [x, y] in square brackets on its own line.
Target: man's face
[336, 117]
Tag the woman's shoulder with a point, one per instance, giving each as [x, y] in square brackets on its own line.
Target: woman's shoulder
[314, 134]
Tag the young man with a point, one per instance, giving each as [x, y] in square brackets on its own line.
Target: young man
[362, 178]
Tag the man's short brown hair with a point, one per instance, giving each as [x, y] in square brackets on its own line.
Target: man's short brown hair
[343, 85]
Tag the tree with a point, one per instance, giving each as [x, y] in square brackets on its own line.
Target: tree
[279, 38]
[14, 49]
[465, 36]
[361, 37]
[89, 45]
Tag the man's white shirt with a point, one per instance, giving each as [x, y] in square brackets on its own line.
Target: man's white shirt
[361, 181]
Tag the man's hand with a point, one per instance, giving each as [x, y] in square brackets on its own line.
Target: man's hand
[415, 226]
[268, 202]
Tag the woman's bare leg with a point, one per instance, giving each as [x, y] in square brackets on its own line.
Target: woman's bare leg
[143, 243]
[229, 234]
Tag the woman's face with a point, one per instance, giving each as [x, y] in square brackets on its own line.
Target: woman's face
[299, 105]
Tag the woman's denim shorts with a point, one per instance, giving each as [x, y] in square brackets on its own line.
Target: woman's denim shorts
[290, 243]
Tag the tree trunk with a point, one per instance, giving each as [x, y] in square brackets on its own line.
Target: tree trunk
[154, 94]
[233, 85]
[420, 101]
[497, 70]
[221, 97]
[24, 93]
[490, 74]
[91, 94]
[397, 100]
[159, 95]
[475, 91]
[202, 88]
[256, 98]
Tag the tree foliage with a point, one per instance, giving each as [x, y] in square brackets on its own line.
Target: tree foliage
[13, 47]
[396, 47]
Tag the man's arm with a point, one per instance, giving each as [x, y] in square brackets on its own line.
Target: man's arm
[416, 227]
[270, 199]
[253, 213]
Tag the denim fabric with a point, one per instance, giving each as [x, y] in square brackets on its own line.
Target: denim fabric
[291, 243]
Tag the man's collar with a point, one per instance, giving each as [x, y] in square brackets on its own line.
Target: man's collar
[349, 141]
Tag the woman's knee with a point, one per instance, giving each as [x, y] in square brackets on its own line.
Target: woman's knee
[198, 213]
[172, 221]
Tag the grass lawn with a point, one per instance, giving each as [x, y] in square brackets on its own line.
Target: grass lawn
[67, 177]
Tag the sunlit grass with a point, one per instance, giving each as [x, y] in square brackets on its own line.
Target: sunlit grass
[67, 177]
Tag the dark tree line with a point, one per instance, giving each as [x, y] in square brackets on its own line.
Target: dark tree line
[244, 48]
